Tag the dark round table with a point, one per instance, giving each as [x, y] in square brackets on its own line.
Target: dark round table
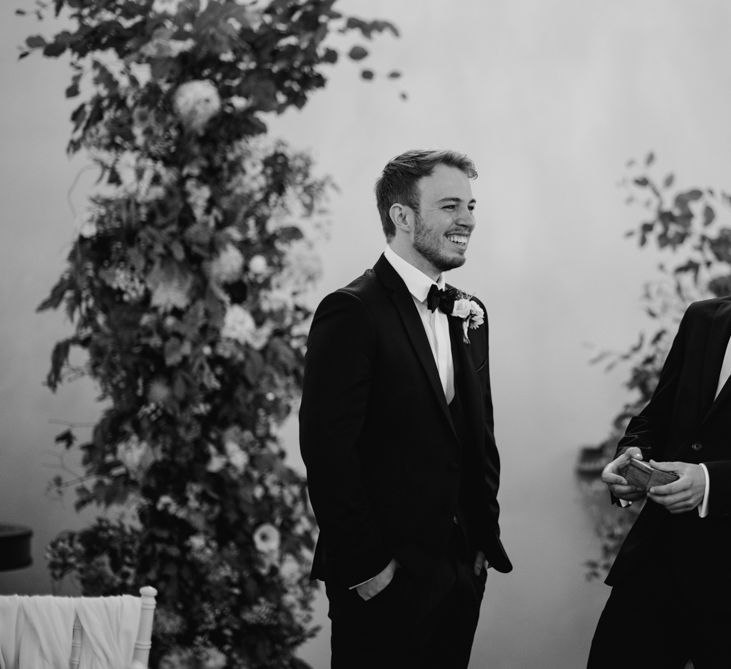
[15, 547]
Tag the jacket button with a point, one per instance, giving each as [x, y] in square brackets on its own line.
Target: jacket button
[696, 446]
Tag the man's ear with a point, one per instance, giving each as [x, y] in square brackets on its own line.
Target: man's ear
[402, 217]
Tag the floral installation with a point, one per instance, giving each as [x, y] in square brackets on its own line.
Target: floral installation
[189, 289]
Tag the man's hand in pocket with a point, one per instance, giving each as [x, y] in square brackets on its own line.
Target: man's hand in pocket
[378, 583]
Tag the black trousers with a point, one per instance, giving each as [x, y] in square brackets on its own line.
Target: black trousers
[400, 628]
[661, 622]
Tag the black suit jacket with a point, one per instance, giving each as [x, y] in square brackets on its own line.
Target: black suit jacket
[682, 422]
[384, 462]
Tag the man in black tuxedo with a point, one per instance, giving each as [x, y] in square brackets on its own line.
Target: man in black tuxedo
[671, 595]
[396, 431]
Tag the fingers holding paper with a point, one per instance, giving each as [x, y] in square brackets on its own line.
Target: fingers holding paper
[617, 484]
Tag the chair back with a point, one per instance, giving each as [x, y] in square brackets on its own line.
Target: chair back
[46, 632]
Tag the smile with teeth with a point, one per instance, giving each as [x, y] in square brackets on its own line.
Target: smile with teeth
[460, 240]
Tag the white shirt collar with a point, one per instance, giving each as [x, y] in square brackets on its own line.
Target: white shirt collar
[416, 281]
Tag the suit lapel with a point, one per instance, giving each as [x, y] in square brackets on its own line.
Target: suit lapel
[715, 350]
[414, 327]
[466, 381]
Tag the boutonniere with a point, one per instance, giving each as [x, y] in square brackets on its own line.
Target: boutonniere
[470, 312]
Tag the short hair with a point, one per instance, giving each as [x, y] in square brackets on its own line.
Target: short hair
[398, 181]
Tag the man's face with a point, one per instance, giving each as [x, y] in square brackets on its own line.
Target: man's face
[445, 219]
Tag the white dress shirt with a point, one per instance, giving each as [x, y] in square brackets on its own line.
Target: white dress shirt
[435, 322]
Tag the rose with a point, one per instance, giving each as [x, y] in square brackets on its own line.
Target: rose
[461, 308]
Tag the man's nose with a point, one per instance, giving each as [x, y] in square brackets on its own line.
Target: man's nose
[467, 219]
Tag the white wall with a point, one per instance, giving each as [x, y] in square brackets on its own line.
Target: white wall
[550, 100]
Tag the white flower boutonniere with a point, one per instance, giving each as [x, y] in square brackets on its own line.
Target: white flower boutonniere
[471, 313]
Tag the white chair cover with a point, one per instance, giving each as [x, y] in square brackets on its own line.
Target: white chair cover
[44, 630]
[109, 628]
[8, 620]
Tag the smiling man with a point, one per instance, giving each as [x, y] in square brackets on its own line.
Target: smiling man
[396, 431]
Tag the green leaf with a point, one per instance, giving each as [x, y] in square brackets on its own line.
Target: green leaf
[357, 53]
[66, 438]
[709, 215]
[330, 56]
[54, 49]
[35, 42]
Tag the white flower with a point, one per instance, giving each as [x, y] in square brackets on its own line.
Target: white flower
[258, 265]
[237, 101]
[88, 228]
[197, 542]
[166, 6]
[178, 46]
[238, 458]
[471, 314]
[461, 308]
[212, 658]
[196, 102]
[227, 266]
[216, 461]
[276, 300]
[131, 453]
[238, 324]
[477, 315]
[266, 539]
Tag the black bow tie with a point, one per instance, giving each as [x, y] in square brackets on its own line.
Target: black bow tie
[441, 299]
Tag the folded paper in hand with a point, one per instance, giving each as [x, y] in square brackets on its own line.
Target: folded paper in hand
[644, 476]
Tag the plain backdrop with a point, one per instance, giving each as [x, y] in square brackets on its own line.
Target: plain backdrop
[550, 99]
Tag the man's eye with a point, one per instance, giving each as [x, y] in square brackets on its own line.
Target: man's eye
[449, 207]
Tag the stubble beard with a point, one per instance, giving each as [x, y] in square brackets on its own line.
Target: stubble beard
[427, 245]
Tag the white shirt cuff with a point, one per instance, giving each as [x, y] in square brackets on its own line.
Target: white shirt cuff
[703, 508]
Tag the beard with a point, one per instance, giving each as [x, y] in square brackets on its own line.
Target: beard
[429, 245]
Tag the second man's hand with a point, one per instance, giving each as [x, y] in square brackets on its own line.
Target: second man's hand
[616, 483]
[682, 495]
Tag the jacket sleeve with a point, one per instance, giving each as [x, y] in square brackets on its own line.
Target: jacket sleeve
[648, 429]
[336, 389]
